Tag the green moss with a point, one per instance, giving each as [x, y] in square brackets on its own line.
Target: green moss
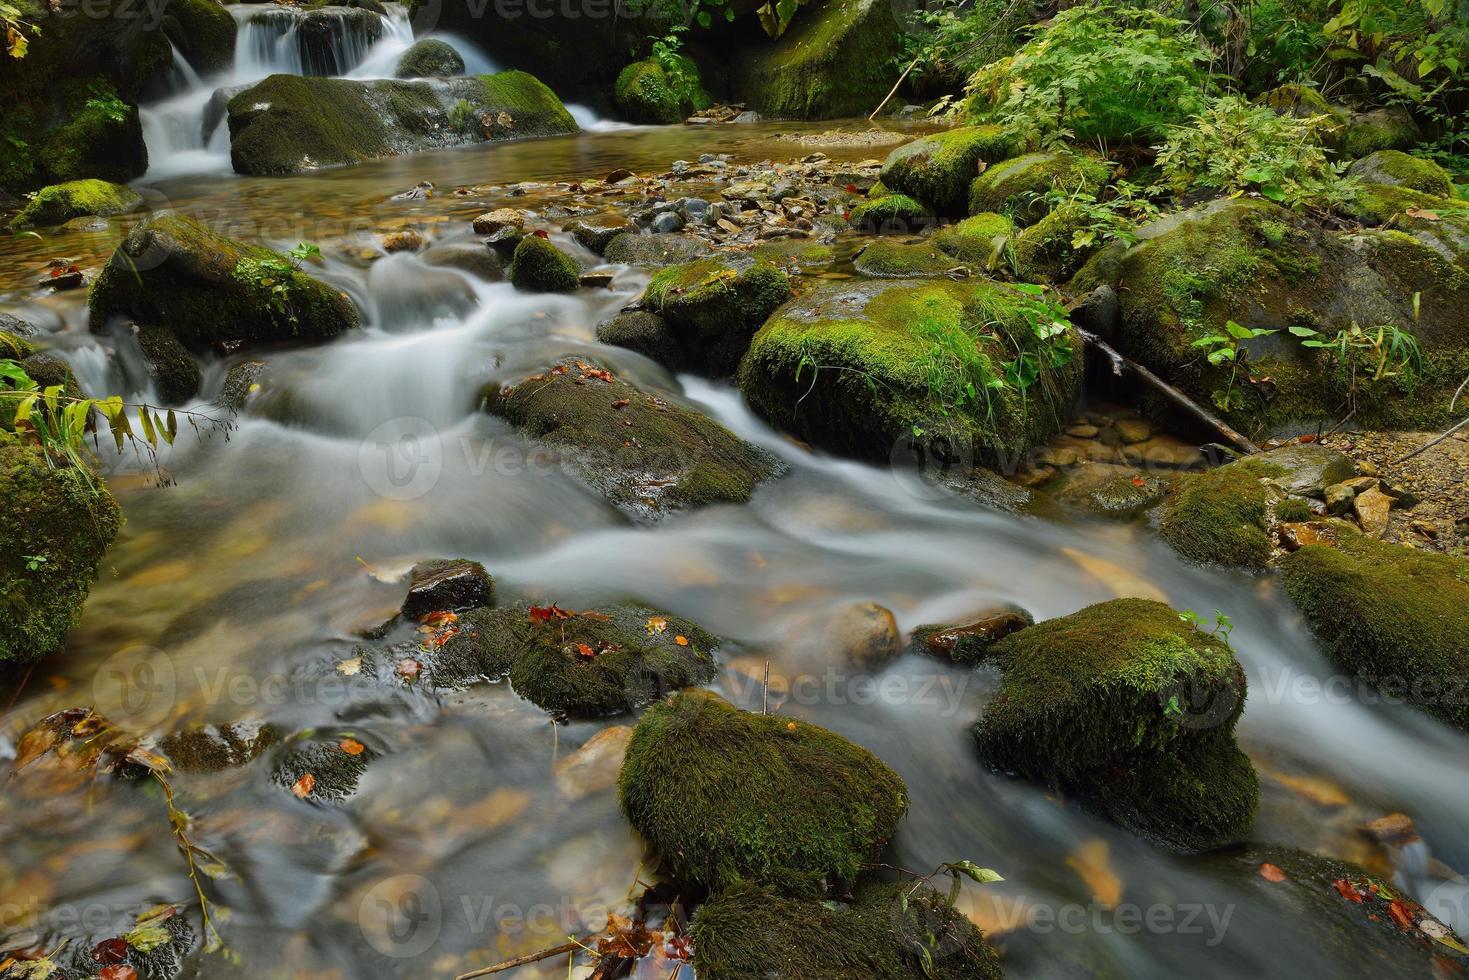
[1380, 129]
[1391, 615]
[174, 270]
[647, 94]
[59, 203]
[204, 31]
[978, 240]
[1045, 252]
[669, 457]
[883, 258]
[175, 373]
[1017, 187]
[654, 251]
[1125, 496]
[1380, 204]
[59, 514]
[715, 305]
[1293, 510]
[1220, 517]
[891, 213]
[747, 931]
[727, 796]
[1397, 169]
[1301, 102]
[796, 255]
[938, 169]
[335, 774]
[43, 367]
[1132, 708]
[211, 749]
[648, 334]
[102, 138]
[538, 266]
[430, 58]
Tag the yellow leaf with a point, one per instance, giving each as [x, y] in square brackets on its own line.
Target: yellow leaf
[1090, 862]
[350, 668]
[656, 624]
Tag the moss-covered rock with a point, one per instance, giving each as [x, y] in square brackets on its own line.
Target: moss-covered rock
[1017, 187]
[204, 32]
[1379, 129]
[291, 124]
[334, 773]
[654, 251]
[889, 214]
[938, 169]
[538, 266]
[648, 334]
[1220, 517]
[646, 93]
[176, 375]
[1047, 250]
[715, 305]
[101, 138]
[447, 585]
[853, 367]
[1393, 616]
[56, 525]
[430, 58]
[173, 270]
[970, 642]
[206, 748]
[59, 203]
[728, 796]
[883, 934]
[1395, 168]
[669, 457]
[1133, 709]
[883, 258]
[977, 240]
[834, 60]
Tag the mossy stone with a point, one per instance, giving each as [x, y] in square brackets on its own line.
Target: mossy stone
[938, 169]
[728, 796]
[1392, 615]
[1220, 517]
[654, 251]
[335, 773]
[646, 93]
[430, 58]
[1047, 250]
[206, 748]
[174, 270]
[715, 305]
[889, 214]
[176, 375]
[103, 139]
[883, 258]
[59, 203]
[978, 240]
[1133, 709]
[204, 31]
[648, 334]
[538, 266]
[1395, 168]
[1017, 187]
[1379, 129]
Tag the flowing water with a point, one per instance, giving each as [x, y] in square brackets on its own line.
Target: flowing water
[360, 456]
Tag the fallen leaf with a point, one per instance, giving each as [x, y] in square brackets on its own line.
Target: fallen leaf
[409, 668]
[351, 667]
[585, 651]
[119, 972]
[303, 786]
[621, 403]
[656, 624]
[1347, 890]
[681, 640]
[540, 615]
[1271, 872]
[351, 746]
[1400, 913]
[790, 726]
[110, 951]
[1091, 862]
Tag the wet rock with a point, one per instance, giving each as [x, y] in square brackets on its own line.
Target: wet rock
[646, 93]
[474, 257]
[430, 58]
[1017, 187]
[1296, 535]
[318, 769]
[1132, 709]
[715, 305]
[1220, 516]
[1133, 431]
[1127, 496]
[209, 748]
[455, 584]
[890, 214]
[1372, 508]
[176, 375]
[596, 280]
[595, 233]
[939, 168]
[540, 267]
[15, 327]
[328, 37]
[648, 456]
[499, 219]
[60, 203]
[654, 250]
[865, 634]
[971, 642]
[648, 334]
[883, 258]
[979, 240]
[1083, 430]
[593, 768]
[240, 382]
[1307, 468]
[404, 240]
[1339, 497]
[667, 222]
[823, 806]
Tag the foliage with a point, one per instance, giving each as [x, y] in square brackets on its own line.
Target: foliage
[1111, 217]
[13, 30]
[1368, 357]
[102, 100]
[1223, 625]
[461, 113]
[273, 275]
[955, 38]
[1228, 348]
[668, 53]
[775, 15]
[1103, 70]
[1430, 37]
[1282, 40]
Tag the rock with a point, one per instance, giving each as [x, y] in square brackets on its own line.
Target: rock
[1220, 516]
[646, 93]
[890, 214]
[60, 203]
[43, 367]
[938, 169]
[493, 222]
[240, 382]
[1339, 497]
[1394, 616]
[1295, 536]
[715, 305]
[1127, 496]
[649, 457]
[979, 240]
[596, 280]
[776, 801]
[430, 58]
[648, 334]
[207, 748]
[971, 643]
[61, 519]
[1394, 829]
[540, 267]
[1084, 430]
[746, 931]
[594, 767]
[12, 328]
[473, 257]
[453, 585]
[289, 124]
[1133, 431]
[1132, 709]
[654, 250]
[203, 32]
[1016, 187]
[1365, 133]
[334, 773]
[1372, 508]
[176, 375]
[404, 240]
[865, 634]
[668, 221]
[1395, 168]
[886, 332]
[882, 258]
[596, 233]
[1047, 250]
[1307, 468]
[174, 271]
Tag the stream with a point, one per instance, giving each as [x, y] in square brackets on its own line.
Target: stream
[282, 539]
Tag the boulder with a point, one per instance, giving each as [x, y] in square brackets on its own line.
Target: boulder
[59, 203]
[451, 584]
[1017, 187]
[855, 367]
[1363, 133]
[648, 456]
[1047, 250]
[56, 525]
[938, 169]
[883, 258]
[1394, 616]
[332, 39]
[1303, 468]
[890, 214]
[203, 31]
[430, 58]
[728, 796]
[289, 124]
[648, 334]
[978, 240]
[1132, 709]
[648, 93]
[173, 270]
[971, 642]
[538, 266]
[1395, 168]
[1220, 517]
[715, 305]
[653, 251]
[176, 375]
[1126, 496]
[596, 232]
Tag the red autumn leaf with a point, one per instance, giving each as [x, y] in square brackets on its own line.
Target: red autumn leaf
[303, 786]
[119, 972]
[1271, 872]
[540, 615]
[851, 188]
[443, 617]
[1308, 438]
[583, 650]
[351, 746]
[679, 948]
[559, 369]
[110, 951]
[1347, 890]
[1400, 914]
[600, 374]
[439, 639]
[409, 668]
[1138, 481]
[541, 233]
[621, 403]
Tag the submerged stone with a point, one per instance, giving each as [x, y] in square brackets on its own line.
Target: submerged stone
[971, 642]
[451, 584]
[538, 266]
[632, 248]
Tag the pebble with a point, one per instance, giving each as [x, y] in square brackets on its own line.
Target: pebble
[1083, 431]
[1372, 507]
[1133, 431]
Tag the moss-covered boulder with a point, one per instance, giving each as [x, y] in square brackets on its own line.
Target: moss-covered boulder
[1393, 616]
[1133, 709]
[59, 203]
[56, 525]
[654, 251]
[890, 214]
[977, 240]
[834, 60]
[715, 305]
[176, 375]
[1380, 129]
[538, 266]
[1221, 517]
[648, 334]
[647, 93]
[884, 933]
[316, 768]
[204, 32]
[291, 124]
[430, 58]
[883, 258]
[938, 169]
[1047, 251]
[648, 456]
[173, 270]
[1017, 187]
[728, 796]
[853, 367]
[1397, 169]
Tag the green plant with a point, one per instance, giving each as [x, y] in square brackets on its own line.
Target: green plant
[102, 100]
[1228, 348]
[304, 251]
[1368, 357]
[923, 924]
[1236, 147]
[1283, 40]
[1111, 217]
[13, 30]
[1223, 625]
[952, 39]
[775, 15]
[34, 563]
[273, 275]
[668, 52]
[1430, 38]
[461, 114]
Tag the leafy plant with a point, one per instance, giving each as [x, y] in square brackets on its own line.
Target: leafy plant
[461, 113]
[273, 275]
[1368, 357]
[951, 39]
[775, 15]
[13, 30]
[102, 100]
[1228, 348]
[1427, 38]
[34, 563]
[1112, 217]
[1222, 628]
[303, 252]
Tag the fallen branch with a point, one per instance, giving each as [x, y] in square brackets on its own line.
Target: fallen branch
[545, 954]
[1431, 443]
[1178, 398]
[894, 91]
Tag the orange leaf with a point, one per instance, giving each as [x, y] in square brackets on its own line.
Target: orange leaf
[1347, 890]
[1271, 872]
[409, 668]
[681, 640]
[304, 786]
[351, 746]
[656, 624]
[1400, 914]
[583, 650]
